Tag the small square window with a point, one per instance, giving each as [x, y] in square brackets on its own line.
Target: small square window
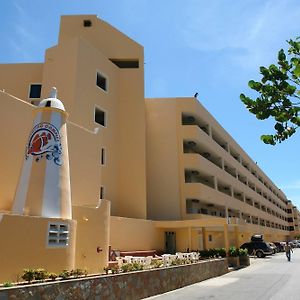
[101, 81]
[35, 91]
[100, 116]
[87, 23]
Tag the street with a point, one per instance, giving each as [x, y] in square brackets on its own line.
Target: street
[272, 277]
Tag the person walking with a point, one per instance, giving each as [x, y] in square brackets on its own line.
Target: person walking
[288, 249]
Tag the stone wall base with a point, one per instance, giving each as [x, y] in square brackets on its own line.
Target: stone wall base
[134, 285]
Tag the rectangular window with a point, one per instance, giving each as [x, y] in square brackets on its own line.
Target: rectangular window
[126, 63]
[102, 192]
[101, 81]
[103, 156]
[210, 238]
[58, 235]
[35, 91]
[100, 116]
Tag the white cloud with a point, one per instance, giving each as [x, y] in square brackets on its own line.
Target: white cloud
[254, 29]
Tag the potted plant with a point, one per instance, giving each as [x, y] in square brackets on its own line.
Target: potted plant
[244, 257]
[233, 257]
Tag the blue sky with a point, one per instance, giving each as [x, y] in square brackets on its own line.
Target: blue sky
[211, 47]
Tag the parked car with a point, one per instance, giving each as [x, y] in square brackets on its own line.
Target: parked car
[296, 244]
[273, 247]
[280, 246]
[258, 248]
[257, 237]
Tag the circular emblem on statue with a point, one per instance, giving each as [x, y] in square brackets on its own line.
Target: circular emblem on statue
[45, 142]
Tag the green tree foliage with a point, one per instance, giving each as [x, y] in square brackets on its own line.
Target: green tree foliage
[279, 97]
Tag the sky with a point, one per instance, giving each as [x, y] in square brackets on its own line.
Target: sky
[211, 47]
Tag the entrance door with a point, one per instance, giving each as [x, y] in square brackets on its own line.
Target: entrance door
[170, 238]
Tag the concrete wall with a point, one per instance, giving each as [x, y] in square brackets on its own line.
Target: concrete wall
[15, 79]
[24, 244]
[92, 240]
[16, 121]
[135, 234]
[135, 285]
[163, 181]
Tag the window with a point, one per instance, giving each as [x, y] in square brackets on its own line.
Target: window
[210, 238]
[35, 91]
[126, 63]
[101, 192]
[100, 116]
[87, 23]
[101, 81]
[103, 157]
[58, 235]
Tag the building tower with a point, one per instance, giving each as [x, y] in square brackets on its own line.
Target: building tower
[44, 183]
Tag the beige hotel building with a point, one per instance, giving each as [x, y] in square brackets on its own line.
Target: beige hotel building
[145, 174]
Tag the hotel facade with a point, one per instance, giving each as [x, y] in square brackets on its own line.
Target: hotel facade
[145, 174]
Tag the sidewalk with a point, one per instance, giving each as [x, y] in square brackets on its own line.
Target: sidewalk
[267, 278]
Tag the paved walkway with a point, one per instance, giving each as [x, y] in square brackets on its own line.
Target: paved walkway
[268, 278]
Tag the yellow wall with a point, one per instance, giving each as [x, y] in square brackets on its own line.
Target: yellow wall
[16, 122]
[182, 242]
[24, 245]
[135, 234]
[93, 227]
[163, 193]
[15, 79]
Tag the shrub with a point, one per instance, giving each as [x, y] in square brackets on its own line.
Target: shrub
[52, 276]
[178, 261]
[210, 253]
[233, 251]
[137, 266]
[243, 252]
[7, 284]
[114, 270]
[222, 252]
[204, 253]
[78, 272]
[126, 267]
[40, 274]
[65, 274]
[28, 275]
[157, 263]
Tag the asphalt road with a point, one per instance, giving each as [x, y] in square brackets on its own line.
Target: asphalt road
[266, 278]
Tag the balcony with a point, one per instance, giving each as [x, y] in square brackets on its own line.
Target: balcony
[187, 119]
[196, 207]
